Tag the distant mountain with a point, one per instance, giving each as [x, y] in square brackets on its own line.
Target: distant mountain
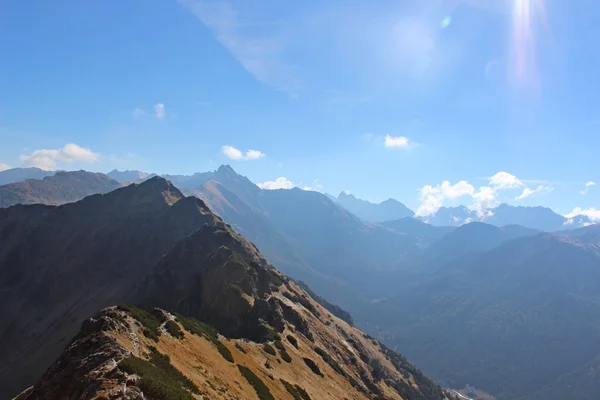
[588, 234]
[60, 188]
[475, 237]
[229, 324]
[540, 218]
[519, 321]
[129, 176]
[377, 212]
[451, 216]
[426, 233]
[20, 174]
[306, 235]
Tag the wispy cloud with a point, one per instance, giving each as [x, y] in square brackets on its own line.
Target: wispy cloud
[49, 159]
[4, 167]
[258, 51]
[159, 111]
[528, 192]
[588, 186]
[235, 154]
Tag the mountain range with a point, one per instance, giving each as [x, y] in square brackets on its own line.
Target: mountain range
[228, 323]
[498, 308]
[377, 212]
[540, 218]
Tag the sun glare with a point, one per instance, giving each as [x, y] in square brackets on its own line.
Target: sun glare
[525, 14]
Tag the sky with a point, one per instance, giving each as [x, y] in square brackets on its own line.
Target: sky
[434, 103]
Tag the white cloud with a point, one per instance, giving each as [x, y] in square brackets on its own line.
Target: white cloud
[280, 183]
[592, 213]
[316, 186]
[399, 142]
[459, 189]
[48, 159]
[588, 185]
[4, 167]
[235, 154]
[483, 198]
[504, 180]
[159, 110]
[527, 192]
[432, 197]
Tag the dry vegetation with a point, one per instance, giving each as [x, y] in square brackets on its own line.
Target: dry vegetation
[181, 358]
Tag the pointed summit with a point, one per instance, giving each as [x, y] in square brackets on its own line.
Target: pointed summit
[346, 195]
[226, 170]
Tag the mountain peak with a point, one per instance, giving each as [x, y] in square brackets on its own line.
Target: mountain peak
[147, 193]
[346, 195]
[226, 169]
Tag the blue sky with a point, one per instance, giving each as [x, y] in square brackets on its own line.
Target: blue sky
[381, 98]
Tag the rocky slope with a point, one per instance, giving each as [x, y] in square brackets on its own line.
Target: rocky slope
[125, 352]
[59, 188]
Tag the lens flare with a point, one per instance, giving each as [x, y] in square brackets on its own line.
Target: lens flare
[446, 22]
[525, 15]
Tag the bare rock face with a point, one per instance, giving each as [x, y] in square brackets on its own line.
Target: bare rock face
[87, 366]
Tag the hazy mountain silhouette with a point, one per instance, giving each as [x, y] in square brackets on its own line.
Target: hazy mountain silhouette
[377, 212]
[530, 303]
[20, 174]
[426, 233]
[62, 187]
[129, 176]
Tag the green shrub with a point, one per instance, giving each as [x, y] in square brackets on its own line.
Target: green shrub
[284, 354]
[196, 327]
[270, 333]
[313, 366]
[199, 328]
[261, 389]
[173, 328]
[293, 341]
[296, 391]
[240, 348]
[225, 352]
[158, 378]
[150, 323]
[269, 349]
[330, 361]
